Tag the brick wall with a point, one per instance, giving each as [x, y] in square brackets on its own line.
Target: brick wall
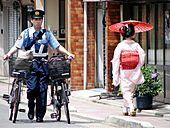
[91, 45]
[77, 45]
[77, 41]
[112, 16]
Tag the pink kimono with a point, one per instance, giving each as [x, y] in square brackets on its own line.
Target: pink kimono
[127, 78]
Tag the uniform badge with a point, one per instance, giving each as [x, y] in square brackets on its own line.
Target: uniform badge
[37, 13]
[20, 37]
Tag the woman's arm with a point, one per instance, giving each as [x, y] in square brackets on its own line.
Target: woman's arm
[116, 66]
[141, 55]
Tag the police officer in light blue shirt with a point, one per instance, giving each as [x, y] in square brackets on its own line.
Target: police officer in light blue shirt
[38, 81]
[40, 48]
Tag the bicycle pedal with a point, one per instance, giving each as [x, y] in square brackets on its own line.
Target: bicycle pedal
[53, 115]
[5, 96]
[21, 110]
[68, 92]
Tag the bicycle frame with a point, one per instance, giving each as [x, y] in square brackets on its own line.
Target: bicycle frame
[59, 94]
[59, 71]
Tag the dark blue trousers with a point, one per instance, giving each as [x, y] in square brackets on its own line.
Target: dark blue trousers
[37, 85]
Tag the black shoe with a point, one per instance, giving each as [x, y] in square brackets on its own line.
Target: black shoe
[31, 115]
[39, 120]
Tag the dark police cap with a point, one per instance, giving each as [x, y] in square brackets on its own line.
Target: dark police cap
[37, 14]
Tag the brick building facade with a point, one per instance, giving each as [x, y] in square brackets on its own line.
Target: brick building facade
[76, 39]
[101, 42]
[77, 42]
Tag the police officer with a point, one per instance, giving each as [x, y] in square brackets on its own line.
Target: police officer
[38, 81]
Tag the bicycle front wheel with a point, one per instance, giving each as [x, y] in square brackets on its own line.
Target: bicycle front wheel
[56, 102]
[67, 112]
[57, 109]
[17, 101]
[65, 102]
[12, 98]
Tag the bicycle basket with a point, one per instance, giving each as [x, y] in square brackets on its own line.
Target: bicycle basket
[23, 64]
[59, 67]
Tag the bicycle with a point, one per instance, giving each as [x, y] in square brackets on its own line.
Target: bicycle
[15, 93]
[20, 75]
[59, 73]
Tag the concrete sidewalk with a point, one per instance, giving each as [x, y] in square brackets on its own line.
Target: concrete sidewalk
[158, 117]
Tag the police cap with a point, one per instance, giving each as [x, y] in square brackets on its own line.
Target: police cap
[37, 14]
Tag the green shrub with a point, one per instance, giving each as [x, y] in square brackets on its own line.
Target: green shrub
[152, 85]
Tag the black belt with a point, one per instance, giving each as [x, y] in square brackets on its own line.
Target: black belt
[40, 57]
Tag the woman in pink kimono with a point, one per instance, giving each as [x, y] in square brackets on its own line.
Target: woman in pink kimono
[127, 62]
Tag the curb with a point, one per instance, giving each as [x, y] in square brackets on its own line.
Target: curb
[132, 123]
[127, 123]
[120, 121]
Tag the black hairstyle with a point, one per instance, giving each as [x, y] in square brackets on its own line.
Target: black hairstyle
[127, 31]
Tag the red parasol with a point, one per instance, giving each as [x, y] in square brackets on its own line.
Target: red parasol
[139, 26]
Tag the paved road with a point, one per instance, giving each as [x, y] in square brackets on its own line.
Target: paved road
[23, 122]
[85, 105]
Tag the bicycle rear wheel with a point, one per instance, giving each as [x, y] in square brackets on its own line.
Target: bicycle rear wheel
[65, 102]
[17, 101]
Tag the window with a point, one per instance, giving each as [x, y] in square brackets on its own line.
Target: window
[167, 50]
[160, 36]
[151, 43]
[155, 42]
[167, 34]
[143, 37]
[61, 18]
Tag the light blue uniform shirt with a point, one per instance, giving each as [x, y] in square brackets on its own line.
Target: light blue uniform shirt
[40, 48]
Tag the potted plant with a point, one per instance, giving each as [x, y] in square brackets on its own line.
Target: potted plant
[151, 87]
